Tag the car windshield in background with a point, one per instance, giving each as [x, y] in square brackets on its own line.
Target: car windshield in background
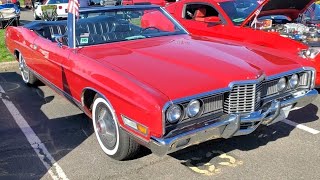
[239, 10]
[57, 1]
[99, 27]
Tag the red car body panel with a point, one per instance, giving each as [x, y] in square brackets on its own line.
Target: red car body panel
[73, 78]
[139, 77]
[241, 34]
[156, 55]
[230, 31]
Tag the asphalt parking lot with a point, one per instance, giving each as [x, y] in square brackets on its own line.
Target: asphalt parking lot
[68, 147]
[43, 136]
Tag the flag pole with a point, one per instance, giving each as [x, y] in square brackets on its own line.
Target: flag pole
[70, 30]
[74, 29]
[73, 12]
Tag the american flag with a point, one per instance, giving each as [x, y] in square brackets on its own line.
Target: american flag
[311, 10]
[255, 20]
[73, 7]
[258, 11]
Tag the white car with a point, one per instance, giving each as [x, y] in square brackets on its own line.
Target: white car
[62, 6]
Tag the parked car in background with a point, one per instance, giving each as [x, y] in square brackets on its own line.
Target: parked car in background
[62, 6]
[148, 83]
[268, 23]
[311, 15]
[9, 15]
[155, 2]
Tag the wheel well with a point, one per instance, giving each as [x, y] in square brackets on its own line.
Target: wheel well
[88, 97]
[16, 54]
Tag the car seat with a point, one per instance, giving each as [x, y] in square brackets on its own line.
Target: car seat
[200, 14]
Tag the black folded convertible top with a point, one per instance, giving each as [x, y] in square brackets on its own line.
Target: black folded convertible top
[38, 25]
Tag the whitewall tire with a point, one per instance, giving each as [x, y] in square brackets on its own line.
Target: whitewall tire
[112, 139]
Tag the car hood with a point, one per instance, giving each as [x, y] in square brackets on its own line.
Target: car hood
[286, 4]
[270, 7]
[181, 66]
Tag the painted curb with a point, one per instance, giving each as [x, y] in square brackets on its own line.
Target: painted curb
[7, 66]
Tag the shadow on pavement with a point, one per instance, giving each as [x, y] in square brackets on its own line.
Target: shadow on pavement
[60, 134]
[210, 152]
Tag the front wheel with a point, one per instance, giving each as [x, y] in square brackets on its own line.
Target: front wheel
[113, 140]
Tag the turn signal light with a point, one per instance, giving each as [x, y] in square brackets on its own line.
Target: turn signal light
[134, 125]
[142, 129]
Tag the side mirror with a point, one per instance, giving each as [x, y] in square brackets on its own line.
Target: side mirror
[212, 19]
[59, 39]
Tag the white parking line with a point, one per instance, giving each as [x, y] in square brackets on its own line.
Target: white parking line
[300, 126]
[48, 161]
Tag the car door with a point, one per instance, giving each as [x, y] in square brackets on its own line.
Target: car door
[50, 59]
[192, 15]
[185, 12]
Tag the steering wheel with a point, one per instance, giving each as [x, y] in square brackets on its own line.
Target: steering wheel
[151, 27]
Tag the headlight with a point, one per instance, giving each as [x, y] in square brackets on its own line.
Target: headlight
[174, 113]
[309, 53]
[294, 81]
[193, 108]
[282, 84]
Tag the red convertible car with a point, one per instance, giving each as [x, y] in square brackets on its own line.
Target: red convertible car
[279, 24]
[151, 84]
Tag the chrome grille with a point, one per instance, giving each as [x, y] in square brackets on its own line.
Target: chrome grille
[269, 88]
[212, 103]
[248, 98]
[242, 99]
[304, 79]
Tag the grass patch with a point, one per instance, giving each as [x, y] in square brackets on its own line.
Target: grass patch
[5, 56]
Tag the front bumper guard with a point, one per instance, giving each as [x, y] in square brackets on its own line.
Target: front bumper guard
[230, 125]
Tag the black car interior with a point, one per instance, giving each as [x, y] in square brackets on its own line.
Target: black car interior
[101, 30]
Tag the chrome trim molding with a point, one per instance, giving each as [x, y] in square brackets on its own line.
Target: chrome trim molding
[135, 130]
[57, 89]
[230, 125]
[262, 77]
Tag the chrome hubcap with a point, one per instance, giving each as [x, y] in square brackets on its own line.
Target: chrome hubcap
[106, 127]
[24, 70]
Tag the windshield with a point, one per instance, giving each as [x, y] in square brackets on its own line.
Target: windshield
[239, 10]
[99, 27]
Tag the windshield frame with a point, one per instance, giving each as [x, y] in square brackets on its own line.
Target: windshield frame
[182, 31]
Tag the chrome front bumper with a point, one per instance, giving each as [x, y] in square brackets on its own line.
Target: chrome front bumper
[234, 124]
